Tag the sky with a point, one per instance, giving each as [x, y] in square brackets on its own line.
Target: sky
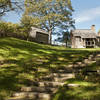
[87, 13]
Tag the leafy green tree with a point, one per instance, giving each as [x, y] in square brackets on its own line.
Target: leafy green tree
[3, 29]
[7, 29]
[51, 14]
[10, 5]
[27, 22]
[64, 34]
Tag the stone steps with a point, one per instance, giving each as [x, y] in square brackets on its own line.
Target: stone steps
[57, 77]
[73, 85]
[38, 89]
[48, 85]
[42, 90]
[98, 55]
[62, 71]
[31, 95]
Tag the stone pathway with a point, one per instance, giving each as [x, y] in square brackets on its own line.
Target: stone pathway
[48, 85]
[44, 88]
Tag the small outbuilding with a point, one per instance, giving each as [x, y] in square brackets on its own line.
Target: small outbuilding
[39, 35]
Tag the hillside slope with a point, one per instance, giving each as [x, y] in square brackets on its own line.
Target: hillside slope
[22, 62]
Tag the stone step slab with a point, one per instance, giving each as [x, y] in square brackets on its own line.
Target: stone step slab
[57, 79]
[98, 55]
[91, 62]
[65, 70]
[48, 84]
[38, 89]
[79, 63]
[61, 74]
[64, 75]
[73, 85]
[31, 95]
[86, 60]
[58, 76]
[91, 57]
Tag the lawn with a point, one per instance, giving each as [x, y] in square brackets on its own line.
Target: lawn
[22, 62]
[87, 88]
[85, 91]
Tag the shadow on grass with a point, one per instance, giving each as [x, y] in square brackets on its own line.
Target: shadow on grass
[85, 91]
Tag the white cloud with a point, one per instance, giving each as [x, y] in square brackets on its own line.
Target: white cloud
[88, 15]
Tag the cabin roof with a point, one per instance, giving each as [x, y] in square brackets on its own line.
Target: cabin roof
[84, 33]
[40, 30]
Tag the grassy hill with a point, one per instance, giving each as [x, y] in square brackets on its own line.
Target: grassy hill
[22, 62]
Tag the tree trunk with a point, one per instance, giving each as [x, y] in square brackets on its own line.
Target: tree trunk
[28, 35]
[27, 38]
[50, 36]
[67, 42]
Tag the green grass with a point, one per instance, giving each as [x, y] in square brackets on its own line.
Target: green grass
[85, 91]
[22, 62]
[88, 85]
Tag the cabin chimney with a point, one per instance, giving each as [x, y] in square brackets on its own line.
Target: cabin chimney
[93, 28]
[98, 33]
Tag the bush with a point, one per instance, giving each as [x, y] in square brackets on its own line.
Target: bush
[12, 30]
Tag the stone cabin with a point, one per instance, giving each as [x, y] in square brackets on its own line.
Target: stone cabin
[85, 38]
[39, 35]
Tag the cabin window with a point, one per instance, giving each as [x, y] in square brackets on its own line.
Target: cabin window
[88, 43]
[92, 42]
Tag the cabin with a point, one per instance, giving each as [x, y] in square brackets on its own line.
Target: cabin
[85, 38]
[39, 35]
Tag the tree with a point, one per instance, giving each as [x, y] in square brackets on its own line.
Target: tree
[8, 29]
[52, 14]
[64, 33]
[10, 5]
[27, 22]
[65, 37]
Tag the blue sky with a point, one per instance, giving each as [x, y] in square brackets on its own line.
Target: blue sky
[87, 13]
